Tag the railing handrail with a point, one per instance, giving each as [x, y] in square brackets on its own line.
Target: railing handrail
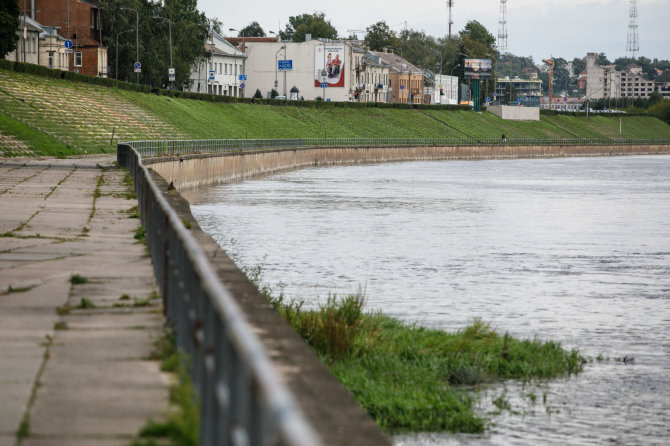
[281, 417]
[186, 147]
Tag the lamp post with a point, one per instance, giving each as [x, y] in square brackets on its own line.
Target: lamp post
[170, 39]
[283, 47]
[117, 51]
[137, 39]
[243, 56]
[440, 54]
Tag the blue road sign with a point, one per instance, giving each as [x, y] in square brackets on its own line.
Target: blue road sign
[324, 84]
[402, 87]
[137, 65]
[242, 77]
[68, 44]
[488, 99]
[285, 65]
[242, 85]
[211, 75]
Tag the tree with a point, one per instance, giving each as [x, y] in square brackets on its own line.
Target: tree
[258, 94]
[477, 40]
[9, 25]
[380, 36]
[188, 26]
[252, 30]
[578, 65]
[315, 24]
[603, 60]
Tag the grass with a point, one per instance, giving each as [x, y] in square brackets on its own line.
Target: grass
[412, 378]
[45, 115]
[181, 425]
[77, 279]
[85, 304]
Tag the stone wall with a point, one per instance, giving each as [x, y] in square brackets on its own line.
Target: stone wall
[190, 171]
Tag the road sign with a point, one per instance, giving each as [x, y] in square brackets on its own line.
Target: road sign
[211, 75]
[324, 84]
[276, 84]
[488, 99]
[137, 65]
[242, 77]
[402, 87]
[68, 51]
[68, 44]
[285, 65]
[171, 74]
[242, 85]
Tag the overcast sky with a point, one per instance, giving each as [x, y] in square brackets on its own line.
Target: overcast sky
[537, 28]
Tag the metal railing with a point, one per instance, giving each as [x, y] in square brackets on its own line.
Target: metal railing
[186, 147]
[242, 400]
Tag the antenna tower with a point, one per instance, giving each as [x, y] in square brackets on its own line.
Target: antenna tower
[632, 46]
[450, 5]
[502, 29]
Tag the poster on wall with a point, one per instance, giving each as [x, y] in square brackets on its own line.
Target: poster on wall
[329, 65]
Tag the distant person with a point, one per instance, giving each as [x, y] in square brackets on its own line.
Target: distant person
[504, 138]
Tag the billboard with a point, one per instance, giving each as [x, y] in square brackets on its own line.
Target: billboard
[477, 68]
[329, 65]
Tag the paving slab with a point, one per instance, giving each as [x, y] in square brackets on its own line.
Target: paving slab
[97, 383]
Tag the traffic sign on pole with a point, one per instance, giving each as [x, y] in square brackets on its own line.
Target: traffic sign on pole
[171, 74]
[242, 85]
[138, 67]
[68, 44]
[242, 77]
[285, 65]
[324, 84]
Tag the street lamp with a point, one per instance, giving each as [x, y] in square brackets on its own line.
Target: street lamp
[117, 51]
[283, 47]
[440, 53]
[137, 39]
[243, 58]
[170, 38]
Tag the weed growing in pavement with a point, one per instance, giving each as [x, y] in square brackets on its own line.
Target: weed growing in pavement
[140, 234]
[85, 304]
[77, 279]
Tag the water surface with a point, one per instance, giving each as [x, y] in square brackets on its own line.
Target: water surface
[575, 250]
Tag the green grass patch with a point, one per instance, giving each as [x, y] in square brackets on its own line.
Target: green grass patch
[38, 143]
[77, 279]
[85, 304]
[411, 378]
[18, 289]
[61, 325]
[140, 234]
[181, 425]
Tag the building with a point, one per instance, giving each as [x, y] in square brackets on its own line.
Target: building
[524, 92]
[370, 80]
[605, 82]
[316, 68]
[42, 46]
[79, 22]
[220, 73]
[405, 80]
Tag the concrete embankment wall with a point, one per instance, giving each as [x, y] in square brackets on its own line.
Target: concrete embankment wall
[190, 171]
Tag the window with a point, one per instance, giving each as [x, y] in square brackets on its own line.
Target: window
[77, 59]
[51, 59]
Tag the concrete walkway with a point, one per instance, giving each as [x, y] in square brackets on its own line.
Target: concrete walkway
[72, 375]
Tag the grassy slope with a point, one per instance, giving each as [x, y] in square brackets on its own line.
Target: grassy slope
[63, 117]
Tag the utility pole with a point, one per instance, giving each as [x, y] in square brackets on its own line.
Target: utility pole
[550, 73]
[450, 5]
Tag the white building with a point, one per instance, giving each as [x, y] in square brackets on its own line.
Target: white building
[369, 80]
[604, 81]
[219, 74]
[42, 46]
[318, 69]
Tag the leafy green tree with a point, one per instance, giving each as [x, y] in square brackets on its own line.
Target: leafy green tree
[380, 36]
[258, 94]
[9, 24]
[188, 26]
[252, 30]
[578, 65]
[477, 40]
[317, 26]
[603, 60]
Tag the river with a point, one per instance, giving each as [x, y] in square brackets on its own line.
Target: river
[575, 250]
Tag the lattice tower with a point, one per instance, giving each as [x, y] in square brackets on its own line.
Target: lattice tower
[632, 45]
[502, 29]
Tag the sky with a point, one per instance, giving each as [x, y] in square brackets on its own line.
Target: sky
[537, 28]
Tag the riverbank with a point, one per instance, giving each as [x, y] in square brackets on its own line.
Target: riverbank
[410, 378]
[48, 116]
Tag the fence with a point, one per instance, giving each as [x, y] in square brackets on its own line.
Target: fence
[185, 147]
[242, 400]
